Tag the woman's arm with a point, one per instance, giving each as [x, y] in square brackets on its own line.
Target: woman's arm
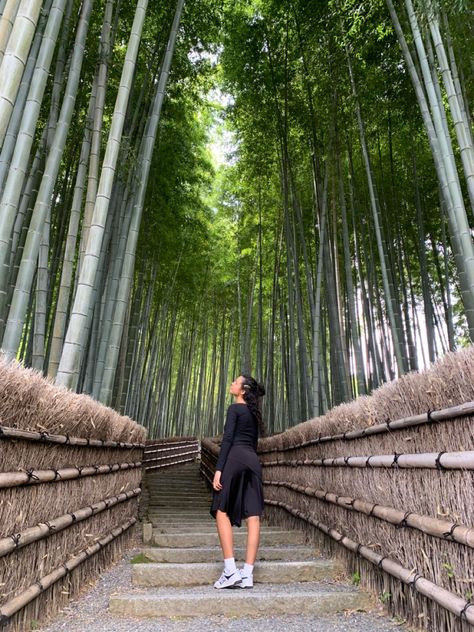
[227, 439]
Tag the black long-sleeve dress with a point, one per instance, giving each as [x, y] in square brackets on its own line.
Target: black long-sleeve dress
[241, 495]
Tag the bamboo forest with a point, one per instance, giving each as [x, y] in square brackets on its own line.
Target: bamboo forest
[191, 191]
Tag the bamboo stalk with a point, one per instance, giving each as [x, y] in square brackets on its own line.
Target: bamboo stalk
[431, 526]
[446, 414]
[45, 529]
[20, 601]
[429, 460]
[45, 437]
[34, 477]
[444, 598]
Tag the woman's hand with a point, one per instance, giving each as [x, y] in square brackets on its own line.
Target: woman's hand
[216, 483]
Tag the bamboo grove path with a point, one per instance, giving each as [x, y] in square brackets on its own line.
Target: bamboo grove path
[169, 585]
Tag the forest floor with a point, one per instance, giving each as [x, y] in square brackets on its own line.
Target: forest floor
[90, 613]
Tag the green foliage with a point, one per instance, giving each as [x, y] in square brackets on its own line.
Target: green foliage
[448, 569]
[385, 596]
[140, 558]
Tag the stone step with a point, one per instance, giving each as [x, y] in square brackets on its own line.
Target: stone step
[183, 510]
[185, 501]
[214, 554]
[181, 490]
[209, 524]
[180, 511]
[302, 599]
[168, 519]
[186, 540]
[186, 512]
[188, 477]
[173, 480]
[180, 518]
[202, 515]
[184, 527]
[179, 504]
[202, 527]
[160, 497]
[198, 573]
[182, 485]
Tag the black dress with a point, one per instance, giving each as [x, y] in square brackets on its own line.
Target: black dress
[241, 495]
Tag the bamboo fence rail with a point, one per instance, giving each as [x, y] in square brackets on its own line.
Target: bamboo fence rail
[173, 449]
[43, 530]
[154, 467]
[171, 442]
[169, 449]
[431, 416]
[458, 606]
[35, 477]
[46, 437]
[432, 460]
[445, 529]
[8, 609]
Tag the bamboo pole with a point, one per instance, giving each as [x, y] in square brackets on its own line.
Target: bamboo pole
[448, 600]
[9, 608]
[431, 526]
[210, 472]
[166, 456]
[430, 460]
[45, 437]
[35, 477]
[154, 467]
[446, 414]
[7, 20]
[152, 442]
[45, 529]
[176, 447]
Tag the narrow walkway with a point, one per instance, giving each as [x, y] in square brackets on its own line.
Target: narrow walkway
[169, 584]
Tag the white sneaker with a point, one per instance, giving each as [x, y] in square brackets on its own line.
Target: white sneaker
[247, 581]
[229, 581]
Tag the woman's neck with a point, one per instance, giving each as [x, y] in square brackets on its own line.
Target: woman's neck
[239, 399]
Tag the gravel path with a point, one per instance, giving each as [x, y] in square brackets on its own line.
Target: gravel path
[90, 613]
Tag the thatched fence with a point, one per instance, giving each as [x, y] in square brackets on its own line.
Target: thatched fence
[386, 484]
[70, 472]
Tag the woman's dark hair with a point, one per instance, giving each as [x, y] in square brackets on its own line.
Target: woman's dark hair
[253, 392]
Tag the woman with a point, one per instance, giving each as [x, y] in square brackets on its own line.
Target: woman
[238, 489]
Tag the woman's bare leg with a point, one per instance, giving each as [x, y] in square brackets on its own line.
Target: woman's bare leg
[224, 529]
[253, 539]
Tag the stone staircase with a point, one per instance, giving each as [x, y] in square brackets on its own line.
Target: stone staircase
[182, 559]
